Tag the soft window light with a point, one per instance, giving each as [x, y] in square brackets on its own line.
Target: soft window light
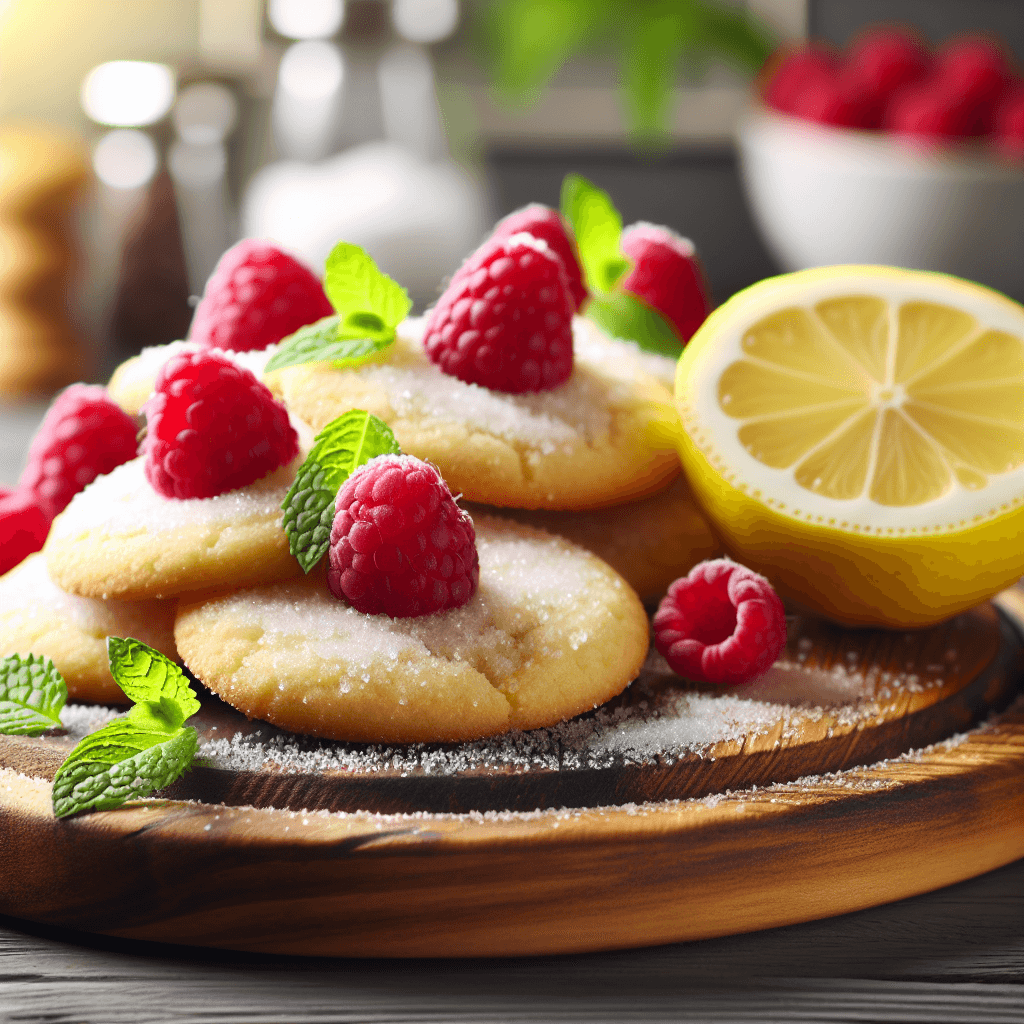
[128, 92]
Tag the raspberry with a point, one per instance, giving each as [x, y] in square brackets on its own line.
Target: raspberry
[83, 435]
[929, 111]
[836, 101]
[24, 524]
[546, 224]
[793, 72]
[879, 63]
[400, 546]
[667, 275]
[721, 624]
[505, 321]
[212, 427]
[1009, 125]
[257, 295]
[975, 71]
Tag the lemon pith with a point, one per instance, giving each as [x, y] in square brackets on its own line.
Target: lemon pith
[857, 434]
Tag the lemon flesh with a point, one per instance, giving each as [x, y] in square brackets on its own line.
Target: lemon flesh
[857, 435]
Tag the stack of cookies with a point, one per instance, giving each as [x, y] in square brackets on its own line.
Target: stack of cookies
[511, 400]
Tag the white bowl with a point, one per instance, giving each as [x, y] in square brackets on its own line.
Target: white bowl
[825, 195]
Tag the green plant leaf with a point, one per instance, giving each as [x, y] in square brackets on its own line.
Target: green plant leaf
[622, 315]
[660, 33]
[322, 342]
[340, 448]
[120, 762]
[32, 694]
[526, 41]
[368, 302]
[598, 229]
[147, 675]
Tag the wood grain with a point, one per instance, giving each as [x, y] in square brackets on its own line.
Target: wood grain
[504, 884]
[917, 688]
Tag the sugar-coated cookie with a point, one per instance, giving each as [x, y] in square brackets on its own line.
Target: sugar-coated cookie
[597, 440]
[131, 383]
[37, 617]
[552, 631]
[651, 542]
[119, 538]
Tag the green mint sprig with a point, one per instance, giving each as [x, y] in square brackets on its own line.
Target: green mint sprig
[340, 448]
[369, 304]
[597, 226]
[141, 752]
[32, 694]
[622, 315]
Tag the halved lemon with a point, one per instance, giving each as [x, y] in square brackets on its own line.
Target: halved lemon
[856, 434]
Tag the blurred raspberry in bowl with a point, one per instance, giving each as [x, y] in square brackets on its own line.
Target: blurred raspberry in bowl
[891, 153]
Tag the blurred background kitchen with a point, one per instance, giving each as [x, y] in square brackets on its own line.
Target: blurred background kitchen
[140, 138]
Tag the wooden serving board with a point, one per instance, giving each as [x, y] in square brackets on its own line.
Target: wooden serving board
[233, 862]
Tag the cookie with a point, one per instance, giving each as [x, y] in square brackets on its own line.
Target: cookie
[121, 539]
[551, 632]
[650, 542]
[599, 439]
[37, 617]
[131, 383]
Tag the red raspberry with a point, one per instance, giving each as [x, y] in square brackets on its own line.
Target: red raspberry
[975, 71]
[400, 546]
[548, 225]
[834, 100]
[212, 427]
[24, 525]
[83, 435]
[1009, 125]
[667, 275]
[505, 321]
[927, 110]
[721, 624]
[257, 295]
[793, 72]
[879, 63]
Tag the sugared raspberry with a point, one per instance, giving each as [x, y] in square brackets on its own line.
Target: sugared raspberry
[505, 321]
[24, 525]
[83, 435]
[790, 73]
[546, 224]
[667, 275]
[723, 623]
[256, 295]
[212, 427]
[400, 546]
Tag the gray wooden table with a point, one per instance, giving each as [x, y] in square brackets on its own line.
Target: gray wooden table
[950, 956]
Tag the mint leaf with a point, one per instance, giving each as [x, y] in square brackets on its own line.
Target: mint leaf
[119, 762]
[147, 675]
[32, 693]
[622, 315]
[598, 230]
[340, 448]
[369, 303]
[323, 342]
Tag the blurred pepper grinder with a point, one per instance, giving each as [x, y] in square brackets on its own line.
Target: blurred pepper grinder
[43, 178]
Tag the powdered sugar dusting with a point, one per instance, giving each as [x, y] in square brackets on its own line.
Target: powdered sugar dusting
[578, 412]
[27, 593]
[123, 502]
[523, 582]
[142, 370]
